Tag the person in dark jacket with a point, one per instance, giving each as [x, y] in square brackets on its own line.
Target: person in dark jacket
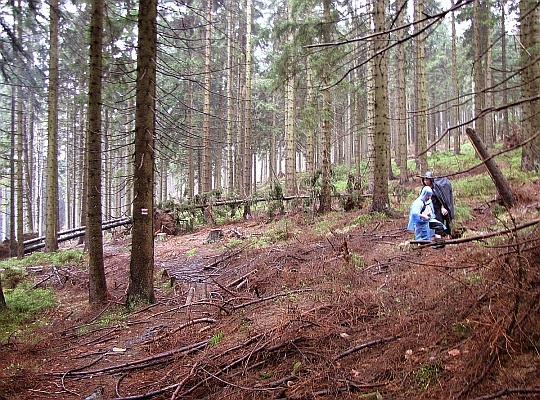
[442, 198]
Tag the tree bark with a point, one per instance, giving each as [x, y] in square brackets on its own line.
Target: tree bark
[401, 89]
[381, 140]
[420, 89]
[51, 217]
[530, 60]
[230, 104]
[455, 88]
[501, 185]
[290, 140]
[97, 286]
[141, 268]
[247, 112]
[207, 150]
[326, 199]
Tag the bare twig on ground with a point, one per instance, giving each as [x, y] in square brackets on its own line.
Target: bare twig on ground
[365, 345]
[507, 392]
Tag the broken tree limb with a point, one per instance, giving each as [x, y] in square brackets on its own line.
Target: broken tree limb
[365, 345]
[424, 243]
[142, 362]
[275, 296]
[508, 391]
[501, 185]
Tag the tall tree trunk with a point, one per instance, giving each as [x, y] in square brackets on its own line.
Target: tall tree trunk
[401, 97]
[20, 140]
[530, 63]
[20, 185]
[479, 69]
[370, 89]
[230, 104]
[326, 199]
[504, 66]
[290, 142]
[12, 180]
[247, 136]
[29, 171]
[141, 268]
[309, 118]
[51, 213]
[381, 140]
[455, 88]
[207, 150]
[191, 143]
[97, 285]
[488, 97]
[420, 89]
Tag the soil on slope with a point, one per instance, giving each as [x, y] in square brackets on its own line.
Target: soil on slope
[316, 314]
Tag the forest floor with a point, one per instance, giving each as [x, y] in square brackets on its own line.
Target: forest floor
[339, 306]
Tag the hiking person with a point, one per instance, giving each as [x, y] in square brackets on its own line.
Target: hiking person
[420, 215]
[442, 200]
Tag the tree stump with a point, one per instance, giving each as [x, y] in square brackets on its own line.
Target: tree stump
[214, 235]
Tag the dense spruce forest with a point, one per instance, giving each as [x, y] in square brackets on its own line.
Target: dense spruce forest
[219, 192]
[110, 109]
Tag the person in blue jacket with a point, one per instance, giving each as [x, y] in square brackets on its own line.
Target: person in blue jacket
[420, 214]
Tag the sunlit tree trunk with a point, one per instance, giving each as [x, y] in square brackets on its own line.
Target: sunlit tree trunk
[381, 139]
[207, 150]
[51, 213]
[97, 286]
[420, 89]
[141, 268]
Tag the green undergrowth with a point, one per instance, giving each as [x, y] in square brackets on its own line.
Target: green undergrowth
[59, 258]
[24, 305]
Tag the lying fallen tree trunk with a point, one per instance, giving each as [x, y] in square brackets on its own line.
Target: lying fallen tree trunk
[38, 243]
[483, 236]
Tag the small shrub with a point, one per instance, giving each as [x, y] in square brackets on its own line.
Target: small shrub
[218, 336]
[427, 375]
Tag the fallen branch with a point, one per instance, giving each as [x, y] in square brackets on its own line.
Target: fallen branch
[137, 363]
[508, 391]
[275, 296]
[150, 394]
[187, 324]
[425, 243]
[365, 345]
